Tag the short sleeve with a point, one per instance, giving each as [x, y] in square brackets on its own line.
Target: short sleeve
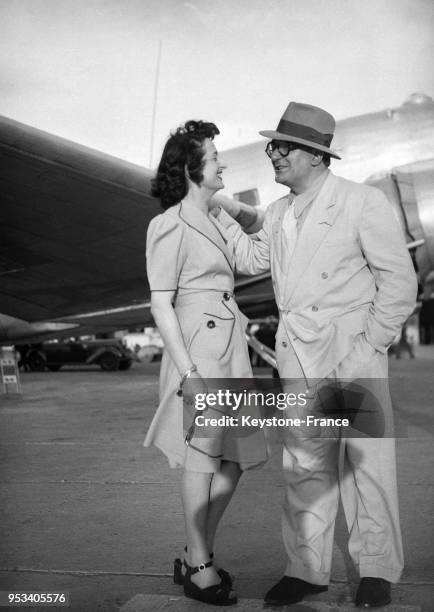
[164, 252]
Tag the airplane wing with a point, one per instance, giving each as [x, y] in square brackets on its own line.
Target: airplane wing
[72, 239]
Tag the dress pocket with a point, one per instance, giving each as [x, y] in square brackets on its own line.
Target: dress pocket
[213, 335]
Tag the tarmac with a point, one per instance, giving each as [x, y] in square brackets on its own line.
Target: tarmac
[87, 510]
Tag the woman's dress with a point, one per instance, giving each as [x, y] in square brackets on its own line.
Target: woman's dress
[190, 253]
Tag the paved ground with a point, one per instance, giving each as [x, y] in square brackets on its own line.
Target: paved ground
[85, 508]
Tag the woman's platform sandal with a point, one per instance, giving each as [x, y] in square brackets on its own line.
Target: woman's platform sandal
[217, 594]
[178, 576]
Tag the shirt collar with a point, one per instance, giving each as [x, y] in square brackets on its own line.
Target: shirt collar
[304, 199]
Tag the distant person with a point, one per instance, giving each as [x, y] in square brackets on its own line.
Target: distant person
[191, 275]
[344, 285]
[22, 351]
[404, 344]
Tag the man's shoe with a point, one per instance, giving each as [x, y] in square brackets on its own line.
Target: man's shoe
[373, 593]
[291, 590]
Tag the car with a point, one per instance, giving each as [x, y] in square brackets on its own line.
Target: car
[109, 354]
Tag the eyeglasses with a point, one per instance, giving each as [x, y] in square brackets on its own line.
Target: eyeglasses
[283, 146]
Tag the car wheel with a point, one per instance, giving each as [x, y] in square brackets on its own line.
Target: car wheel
[109, 362]
[125, 365]
[36, 361]
[54, 367]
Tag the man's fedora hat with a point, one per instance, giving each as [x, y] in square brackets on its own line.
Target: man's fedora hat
[308, 125]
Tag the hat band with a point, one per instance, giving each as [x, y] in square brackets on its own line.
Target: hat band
[304, 131]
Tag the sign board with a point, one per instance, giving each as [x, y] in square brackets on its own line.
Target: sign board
[9, 374]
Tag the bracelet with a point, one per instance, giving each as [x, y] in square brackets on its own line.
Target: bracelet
[187, 374]
[184, 377]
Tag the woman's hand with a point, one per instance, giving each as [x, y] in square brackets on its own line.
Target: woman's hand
[232, 207]
[215, 211]
[192, 385]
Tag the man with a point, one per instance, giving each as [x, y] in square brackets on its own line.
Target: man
[344, 285]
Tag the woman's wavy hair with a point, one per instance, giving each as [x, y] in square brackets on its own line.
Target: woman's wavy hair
[183, 151]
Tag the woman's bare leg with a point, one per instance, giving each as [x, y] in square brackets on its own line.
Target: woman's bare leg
[222, 488]
[196, 488]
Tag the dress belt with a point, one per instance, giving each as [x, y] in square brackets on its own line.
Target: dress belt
[194, 297]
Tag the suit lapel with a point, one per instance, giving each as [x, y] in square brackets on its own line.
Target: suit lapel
[278, 237]
[315, 228]
[207, 228]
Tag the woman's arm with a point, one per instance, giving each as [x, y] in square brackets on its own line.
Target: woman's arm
[168, 326]
[252, 253]
[250, 218]
[164, 255]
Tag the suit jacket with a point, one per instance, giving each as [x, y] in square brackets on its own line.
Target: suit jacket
[350, 272]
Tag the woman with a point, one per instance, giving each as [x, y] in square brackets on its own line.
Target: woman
[190, 272]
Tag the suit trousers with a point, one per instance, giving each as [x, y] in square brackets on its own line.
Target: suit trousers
[320, 463]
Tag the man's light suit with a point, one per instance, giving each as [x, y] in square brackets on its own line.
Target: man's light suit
[343, 296]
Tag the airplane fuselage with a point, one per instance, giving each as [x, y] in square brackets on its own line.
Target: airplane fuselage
[368, 144]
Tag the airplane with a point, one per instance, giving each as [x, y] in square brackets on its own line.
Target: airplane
[72, 240]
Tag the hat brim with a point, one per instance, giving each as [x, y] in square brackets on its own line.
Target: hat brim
[307, 143]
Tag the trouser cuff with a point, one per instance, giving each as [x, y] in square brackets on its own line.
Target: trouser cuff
[370, 570]
[303, 572]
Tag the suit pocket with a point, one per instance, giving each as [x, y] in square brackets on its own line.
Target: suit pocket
[361, 362]
[212, 337]
[365, 350]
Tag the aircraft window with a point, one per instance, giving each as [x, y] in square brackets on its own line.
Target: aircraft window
[250, 196]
